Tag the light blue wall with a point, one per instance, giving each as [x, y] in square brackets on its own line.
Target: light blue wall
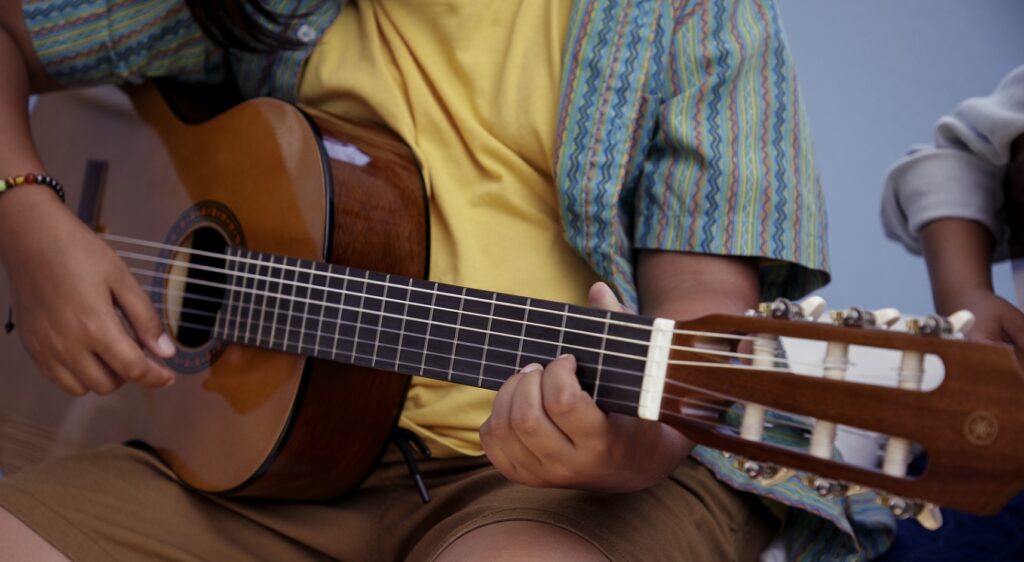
[876, 75]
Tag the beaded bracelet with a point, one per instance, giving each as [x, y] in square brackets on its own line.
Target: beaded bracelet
[33, 179]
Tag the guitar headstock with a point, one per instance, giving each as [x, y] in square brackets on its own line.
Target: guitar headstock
[927, 390]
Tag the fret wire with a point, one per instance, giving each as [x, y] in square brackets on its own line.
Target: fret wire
[305, 312]
[487, 336]
[405, 316]
[263, 308]
[359, 315]
[159, 296]
[291, 306]
[426, 336]
[238, 304]
[522, 334]
[244, 307]
[320, 323]
[264, 300]
[487, 331]
[380, 319]
[561, 332]
[248, 328]
[229, 297]
[600, 358]
[277, 301]
[430, 290]
[337, 325]
[259, 293]
[455, 338]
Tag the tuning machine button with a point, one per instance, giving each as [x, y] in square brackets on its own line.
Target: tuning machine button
[953, 326]
[765, 473]
[927, 514]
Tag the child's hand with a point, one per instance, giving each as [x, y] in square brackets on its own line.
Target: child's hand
[67, 287]
[995, 319]
[958, 255]
[545, 431]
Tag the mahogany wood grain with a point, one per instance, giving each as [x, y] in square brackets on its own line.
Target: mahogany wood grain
[982, 383]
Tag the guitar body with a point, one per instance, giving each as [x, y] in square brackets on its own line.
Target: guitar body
[239, 420]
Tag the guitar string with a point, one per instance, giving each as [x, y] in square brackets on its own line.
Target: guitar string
[306, 317]
[239, 258]
[356, 341]
[294, 283]
[705, 351]
[339, 306]
[793, 424]
[301, 348]
[288, 329]
[882, 379]
[456, 343]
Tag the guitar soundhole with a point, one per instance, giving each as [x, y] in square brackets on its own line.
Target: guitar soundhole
[201, 287]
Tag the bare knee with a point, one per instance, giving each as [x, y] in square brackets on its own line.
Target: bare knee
[514, 541]
[21, 543]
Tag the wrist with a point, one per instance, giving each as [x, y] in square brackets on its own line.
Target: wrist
[958, 253]
[20, 209]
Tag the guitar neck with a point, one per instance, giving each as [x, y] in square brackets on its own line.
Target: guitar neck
[415, 327]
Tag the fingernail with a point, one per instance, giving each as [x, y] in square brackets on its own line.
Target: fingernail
[531, 368]
[564, 356]
[169, 382]
[165, 346]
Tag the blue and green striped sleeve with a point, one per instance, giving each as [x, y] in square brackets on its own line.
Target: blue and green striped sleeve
[88, 42]
[731, 169]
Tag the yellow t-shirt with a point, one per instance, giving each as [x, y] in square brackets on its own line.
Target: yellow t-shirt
[473, 87]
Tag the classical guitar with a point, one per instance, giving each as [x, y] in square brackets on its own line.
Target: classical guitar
[287, 253]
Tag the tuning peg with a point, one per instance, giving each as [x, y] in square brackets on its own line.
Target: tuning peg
[813, 307]
[860, 318]
[930, 517]
[765, 473]
[927, 514]
[961, 321]
[886, 317]
[825, 487]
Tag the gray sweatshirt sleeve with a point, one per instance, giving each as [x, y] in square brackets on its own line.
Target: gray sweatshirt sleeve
[961, 175]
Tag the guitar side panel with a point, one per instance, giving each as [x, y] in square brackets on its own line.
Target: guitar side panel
[344, 416]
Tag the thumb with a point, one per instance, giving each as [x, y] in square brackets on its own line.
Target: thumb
[601, 296]
[142, 316]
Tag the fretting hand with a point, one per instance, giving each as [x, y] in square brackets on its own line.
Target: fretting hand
[545, 431]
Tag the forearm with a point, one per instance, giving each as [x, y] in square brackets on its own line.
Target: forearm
[22, 75]
[683, 285]
[958, 253]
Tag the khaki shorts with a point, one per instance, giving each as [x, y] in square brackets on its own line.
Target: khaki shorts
[119, 503]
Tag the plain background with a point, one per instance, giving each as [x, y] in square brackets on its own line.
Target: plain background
[876, 75]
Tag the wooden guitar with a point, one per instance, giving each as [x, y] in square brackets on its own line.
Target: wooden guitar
[287, 256]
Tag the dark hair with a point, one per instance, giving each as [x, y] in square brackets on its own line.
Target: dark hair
[247, 25]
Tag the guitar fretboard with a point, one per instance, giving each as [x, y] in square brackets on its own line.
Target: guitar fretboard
[443, 332]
